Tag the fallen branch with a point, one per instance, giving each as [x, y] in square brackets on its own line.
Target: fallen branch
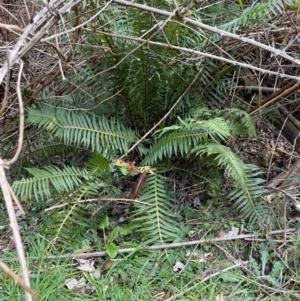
[200, 54]
[166, 246]
[125, 200]
[11, 27]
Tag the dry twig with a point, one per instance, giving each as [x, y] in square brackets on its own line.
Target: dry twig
[165, 246]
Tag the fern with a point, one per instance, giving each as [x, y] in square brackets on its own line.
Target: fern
[180, 139]
[43, 182]
[249, 202]
[83, 129]
[199, 112]
[71, 222]
[248, 186]
[223, 157]
[258, 13]
[241, 122]
[155, 219]
[112, 101]
[66, 227]
[66, 223]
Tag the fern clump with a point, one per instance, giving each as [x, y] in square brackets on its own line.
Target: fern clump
[201, 137]
[109, 103]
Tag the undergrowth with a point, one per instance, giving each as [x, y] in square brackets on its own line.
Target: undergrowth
[90, 180]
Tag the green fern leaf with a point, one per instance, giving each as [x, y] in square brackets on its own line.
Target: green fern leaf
[226, 159]
[179, 139]
[83, 129]
[248, 187]
[66, 227]
[43, 182]
[240, 121]
[97, 164]
[155, 219]
[249, 201]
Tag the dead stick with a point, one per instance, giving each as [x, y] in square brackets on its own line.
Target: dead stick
[166, 246]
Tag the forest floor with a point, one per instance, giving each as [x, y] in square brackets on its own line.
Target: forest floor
[222, 259]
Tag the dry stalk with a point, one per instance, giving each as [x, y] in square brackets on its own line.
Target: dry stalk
[17, 279]
[33, 33]
[168, 246]
[6, 190]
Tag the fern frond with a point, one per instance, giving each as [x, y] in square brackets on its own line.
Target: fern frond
[179, 139]
[248, 185]
[248, 201]
[215, 86]
[156, 220]
[97, 164]
[43, 182]
[251, 15]
[200, 113]
[224, 157]
[66, 227]
[240, 121]
[83, 129]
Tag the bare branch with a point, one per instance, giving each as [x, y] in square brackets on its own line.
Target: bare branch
[42, 23]
[167, 246]
[14, 226]
[175, 15]
[21, 112]
[5, 100]
[125, 200]
[203, 54]
[11, 27]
